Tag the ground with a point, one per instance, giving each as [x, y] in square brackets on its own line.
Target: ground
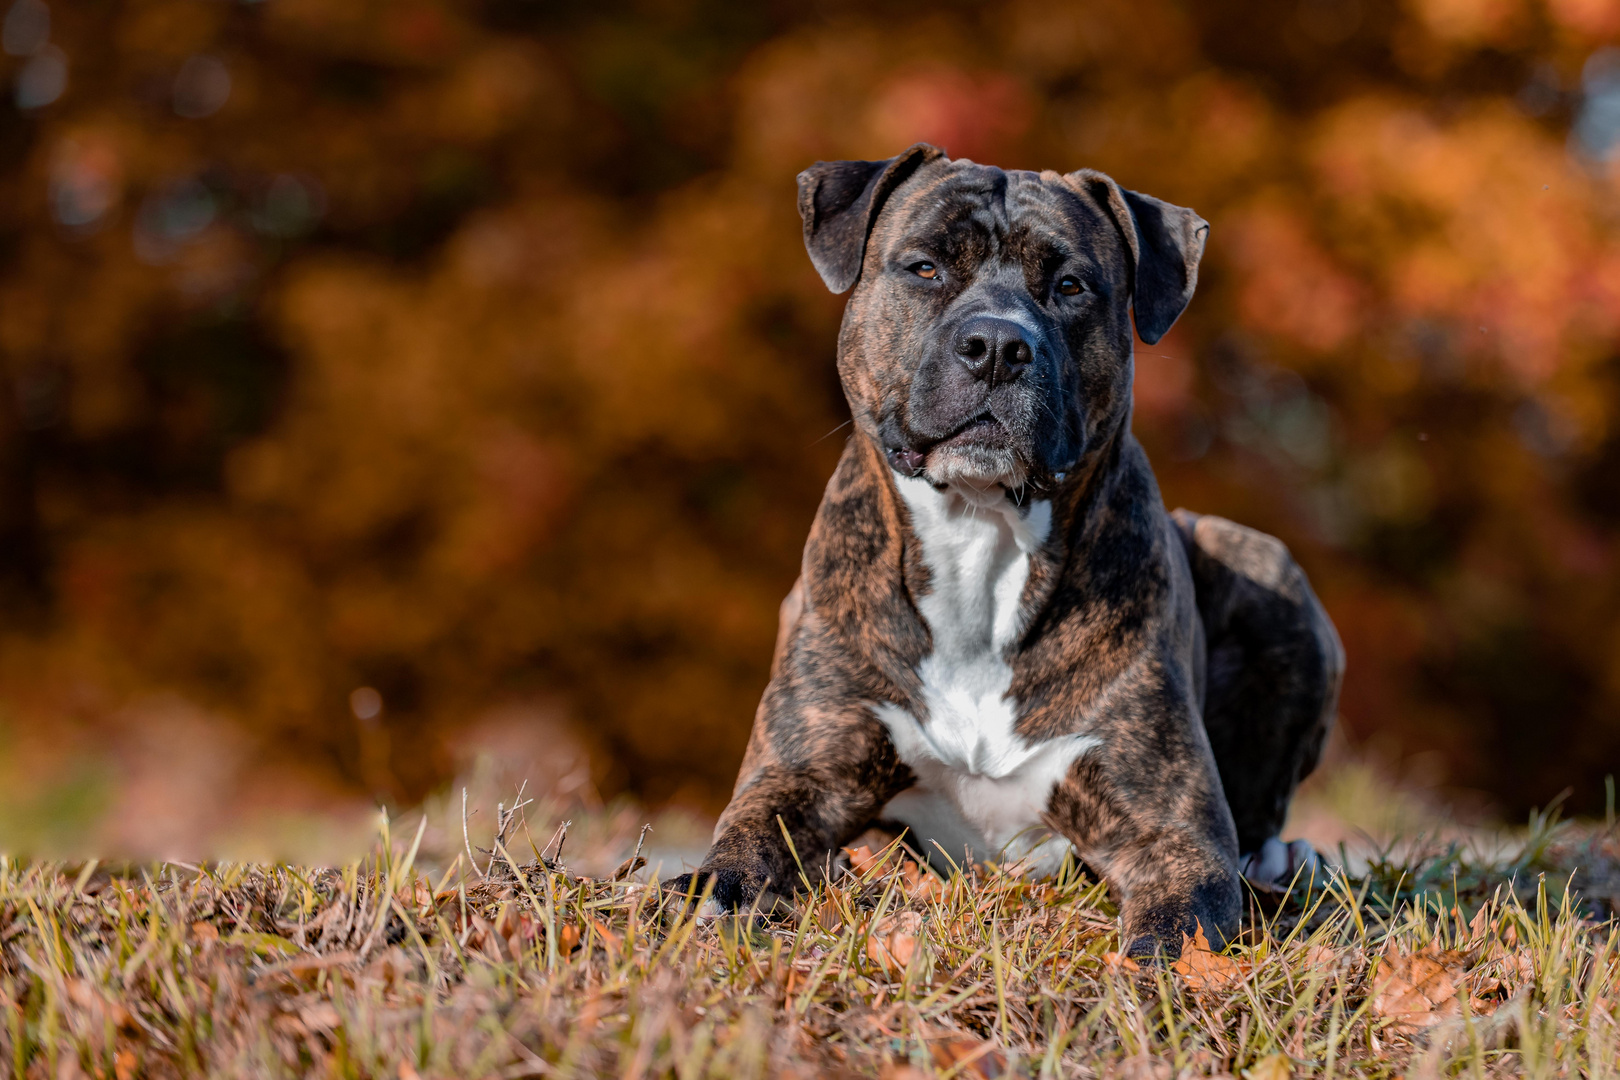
[1425, 958]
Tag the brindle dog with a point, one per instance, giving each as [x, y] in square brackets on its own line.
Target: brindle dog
[999, 634]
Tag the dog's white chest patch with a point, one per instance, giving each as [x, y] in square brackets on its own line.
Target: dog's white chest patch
[981, 788]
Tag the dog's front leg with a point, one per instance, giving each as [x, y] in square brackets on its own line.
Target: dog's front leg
[1156, 827]
[812, 774]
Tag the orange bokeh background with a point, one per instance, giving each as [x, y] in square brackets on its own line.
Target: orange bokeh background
[467, 353]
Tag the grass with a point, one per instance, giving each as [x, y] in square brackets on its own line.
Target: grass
[1442, 960]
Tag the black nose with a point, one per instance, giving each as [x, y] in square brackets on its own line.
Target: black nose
[993, 349]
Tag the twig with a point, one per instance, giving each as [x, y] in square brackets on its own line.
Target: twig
[645, 829]
[465, 839]
[561, 840]
[504, 817]
[635, 861]
[561, 836]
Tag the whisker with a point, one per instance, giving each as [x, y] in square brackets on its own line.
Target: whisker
[834, 431]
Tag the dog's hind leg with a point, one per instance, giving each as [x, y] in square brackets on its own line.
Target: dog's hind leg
[1271, 685]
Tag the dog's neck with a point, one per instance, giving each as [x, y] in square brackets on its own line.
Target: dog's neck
[955, 524]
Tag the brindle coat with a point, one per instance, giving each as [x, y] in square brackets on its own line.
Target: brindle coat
[1191, 650]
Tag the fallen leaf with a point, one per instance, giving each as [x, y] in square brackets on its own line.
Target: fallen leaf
[1417, 990]
[829, 916]
[124, 1064]
[903, 1072]
[407, 1071]
[1202, 1063]
[969, 1057]
[205, 933]
[628, 867]
[482, 937]
[1120, 962]
[893, 941]
[518, 930]
[862, 859]
[264, 944]
[1275, 1067]
[794, 982]
[1145, 1067]
[1500, 973]
[91, 999]
[1204, 969]
[920, 884]
[1321, 958]
[319, 1016]
[309, 965]
[609, 938]
[388, 967]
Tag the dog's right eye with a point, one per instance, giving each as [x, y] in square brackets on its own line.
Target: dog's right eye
[923, 269]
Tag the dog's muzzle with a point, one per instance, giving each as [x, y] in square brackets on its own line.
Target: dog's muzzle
[977, 406]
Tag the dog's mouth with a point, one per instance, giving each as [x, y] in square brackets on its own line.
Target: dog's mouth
[983, 431]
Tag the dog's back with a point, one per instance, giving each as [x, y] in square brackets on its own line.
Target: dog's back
[1272, 672]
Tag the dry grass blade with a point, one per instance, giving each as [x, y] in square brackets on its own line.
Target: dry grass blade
[382, 969]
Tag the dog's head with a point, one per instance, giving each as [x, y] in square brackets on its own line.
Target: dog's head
[988, 340]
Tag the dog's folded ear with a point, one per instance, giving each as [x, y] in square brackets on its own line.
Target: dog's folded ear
[1165, 244]
[839, 201]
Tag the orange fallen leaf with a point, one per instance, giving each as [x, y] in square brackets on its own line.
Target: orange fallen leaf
[902, 1072]
[862, 859]
[422, 897]
[828, 914]
[1417, 990]
[1274, 1067]
[517, 929]
[90, 999]
[609, 937]
[628, 867]
[1203, 968]
[1120, 962]
[320, 1016]
[921, 884]
[1145, 1067]
[483, 938]
[1511, 966]
[969, 1057]
[893, 941]
[1321, 958]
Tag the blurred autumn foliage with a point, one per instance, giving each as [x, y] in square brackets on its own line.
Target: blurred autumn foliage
[467, 352]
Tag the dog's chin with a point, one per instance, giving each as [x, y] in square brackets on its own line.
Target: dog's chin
[975, 465]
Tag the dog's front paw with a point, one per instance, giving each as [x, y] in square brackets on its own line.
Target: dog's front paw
[727, 890]
[691, 891]
[1148, 949]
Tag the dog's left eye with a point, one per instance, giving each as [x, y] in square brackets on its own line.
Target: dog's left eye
[923, 269]
[1070, 286]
